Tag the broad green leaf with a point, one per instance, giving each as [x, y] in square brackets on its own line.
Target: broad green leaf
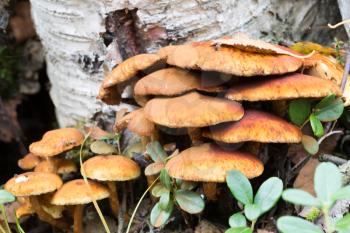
[240, 186]
[291, 224]
[299, 110]
[326, 101]
[330, 110]
[237, 220]
[158, 190]
[136, 148]
[343, 224]
[165, 178]
[188, 185]
[268, 194]
[102, 148]
[160, 216]
[300, 197]
[310, 144]
[156, 151]
[327, 181]
[6, 197]
[252, 211]
[316, 126]
[342, 194]
[164, 200]
[189, 201]
[239, 230]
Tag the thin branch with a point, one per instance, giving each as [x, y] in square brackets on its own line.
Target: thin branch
[338, 24]
[329, 134]
[346, 70]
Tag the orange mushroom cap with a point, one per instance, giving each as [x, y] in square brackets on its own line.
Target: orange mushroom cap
[29, 161]
[255, 126]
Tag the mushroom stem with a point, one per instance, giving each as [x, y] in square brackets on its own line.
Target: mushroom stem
[78, 219]
[59, 223]
[52, 165]
[155, 135]
[113, 199]
[252, 147]
[209, 189]
[279, 107]
[144, 141]
[195, 136]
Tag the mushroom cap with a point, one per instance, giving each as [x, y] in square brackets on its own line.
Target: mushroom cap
[230, 60]
[255, 126]
[290, 86]
[154, 168]
[56, 141]
[63, 166]
[192, 110]
[33, 183]
[110, 168]
[210, 163]
[76, 192]
[29, 161]
[172, 81]
[136, 122]
[129, 68]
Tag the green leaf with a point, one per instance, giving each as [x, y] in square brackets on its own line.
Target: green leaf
[252, 211]
[131, 150]
[310, 144]
[316, 126]
[159, 216]
[268, 194]
[290, 224]
[327, 181]
[189, 201]
[165, 178]
[188, 185]
[299, 110]
[156, 151]
[158, 190]
[342, 194]
[237, 220]
[239, 230]
[240, 186]
[343, 224]
[300, 197]
[6, 197]
[164, 200]
[329, 109]
[102, 148]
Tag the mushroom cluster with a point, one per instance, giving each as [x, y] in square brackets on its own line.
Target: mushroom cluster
[52, 186]
[215, 90]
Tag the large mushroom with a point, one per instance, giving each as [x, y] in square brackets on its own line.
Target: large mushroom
[209, 163]
[55, 142]
[78, 193]
[111, 168]
[33, 185]
[255, 126]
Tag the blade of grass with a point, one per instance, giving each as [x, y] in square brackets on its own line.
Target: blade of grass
[103, 220]
[3, 212]
[19, 228]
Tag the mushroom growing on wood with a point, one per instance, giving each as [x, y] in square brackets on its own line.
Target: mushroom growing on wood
[227, 59]
[290, 86]
[55, 142]
[255, 126]
[123, 72]
[78, 193]
[32, 185]
[209, 163]
[111, 168]
[29, 161]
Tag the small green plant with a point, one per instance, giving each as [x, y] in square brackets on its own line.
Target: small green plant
[338, 46]
[266, 197]
[171, 192]
[328, 189]
[302, 111]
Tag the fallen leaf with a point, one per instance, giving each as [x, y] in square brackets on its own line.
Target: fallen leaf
[305, 178]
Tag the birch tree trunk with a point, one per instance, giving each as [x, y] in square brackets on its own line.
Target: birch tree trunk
[82, 37]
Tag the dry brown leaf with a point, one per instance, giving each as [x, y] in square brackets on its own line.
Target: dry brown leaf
[305, 178]
[96, 132]
[244, 42]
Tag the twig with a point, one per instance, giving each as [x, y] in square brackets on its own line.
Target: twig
[338, 24]
[329, 134]
[333, 159]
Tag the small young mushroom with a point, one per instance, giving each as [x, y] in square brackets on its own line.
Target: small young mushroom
[62, 166]
[55, 142]
[209, 163]
[255, 126]
[32, 185]
[29, 161]
[24, 209]
[78, 193]
[111, 168]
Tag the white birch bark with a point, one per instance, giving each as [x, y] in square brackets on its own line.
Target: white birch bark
[71, 34]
